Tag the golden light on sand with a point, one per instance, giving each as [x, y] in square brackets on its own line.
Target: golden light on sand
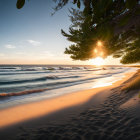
[98, 61]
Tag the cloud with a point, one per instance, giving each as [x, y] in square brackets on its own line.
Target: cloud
[9, 46]
[34, 43]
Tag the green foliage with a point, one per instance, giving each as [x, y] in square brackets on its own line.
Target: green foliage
[130, 3]
[133, 84]
[115, 22]
[131, 57]
[62, 3]
[124, 20]
[75, 1]
[137, 11]
[98, 21]
[20, 3]
[78, 4]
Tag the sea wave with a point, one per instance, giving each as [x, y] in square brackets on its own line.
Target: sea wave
[19, 73]
[52, 85]
[22, 80]
[8, 68]
[21, 93]
[36, 79]
[40, 68]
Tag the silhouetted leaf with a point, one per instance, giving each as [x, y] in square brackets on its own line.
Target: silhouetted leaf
[115, 22]
[74, 1]
[78, 4]
[131, 57]
[20, 3]
[124, 20]
[130, 3]
[117, 56]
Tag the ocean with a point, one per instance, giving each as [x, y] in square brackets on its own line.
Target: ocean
[27, 83]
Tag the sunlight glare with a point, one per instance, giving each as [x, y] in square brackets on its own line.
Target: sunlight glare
[98, 61]
[101, 54]
[99, 43]
[95, 51]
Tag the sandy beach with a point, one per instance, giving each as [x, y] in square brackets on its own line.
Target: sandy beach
[70, 70]
[99, 113]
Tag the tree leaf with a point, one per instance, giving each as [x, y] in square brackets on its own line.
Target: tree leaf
[74, 1]
[20, 3]
[130, 3]
[131, 57]
[124, 20]
[78, 4]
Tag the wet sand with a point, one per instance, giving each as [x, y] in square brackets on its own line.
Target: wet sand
[99, 113]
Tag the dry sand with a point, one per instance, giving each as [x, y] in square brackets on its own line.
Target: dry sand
[82, 115]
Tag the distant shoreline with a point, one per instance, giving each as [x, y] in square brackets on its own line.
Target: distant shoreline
[69, 65]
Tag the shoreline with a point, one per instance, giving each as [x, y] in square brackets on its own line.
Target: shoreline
[48, 106]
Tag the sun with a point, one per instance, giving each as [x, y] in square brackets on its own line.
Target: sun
[98, 61]
[99, 44]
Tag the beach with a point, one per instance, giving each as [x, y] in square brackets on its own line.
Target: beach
[70, 70]
[98, 113]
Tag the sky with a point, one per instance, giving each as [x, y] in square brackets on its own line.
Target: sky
[32, 36]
